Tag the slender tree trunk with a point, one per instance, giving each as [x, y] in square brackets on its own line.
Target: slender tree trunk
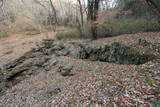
[81, 11]
[82, 21]
[1, 3]
[93, 7]
[55, 14]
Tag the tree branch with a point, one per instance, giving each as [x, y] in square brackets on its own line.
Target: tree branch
[1, 3]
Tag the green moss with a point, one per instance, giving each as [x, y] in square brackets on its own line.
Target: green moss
[156, 104]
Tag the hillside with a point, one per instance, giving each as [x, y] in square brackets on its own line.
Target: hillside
[52, 75]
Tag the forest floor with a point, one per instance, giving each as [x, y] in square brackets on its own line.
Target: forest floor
[93, 83]
[16, 45]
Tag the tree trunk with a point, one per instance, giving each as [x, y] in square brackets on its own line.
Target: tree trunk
[93, 7]
[1, 3]
[82, 21]
[55, 14]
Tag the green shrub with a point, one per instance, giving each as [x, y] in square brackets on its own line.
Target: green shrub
[112, 27]
[68, 34]
[74, 33]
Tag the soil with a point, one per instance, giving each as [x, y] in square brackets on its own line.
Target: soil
[93, 83]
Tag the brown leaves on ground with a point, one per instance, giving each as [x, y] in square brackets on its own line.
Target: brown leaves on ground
[94, 84]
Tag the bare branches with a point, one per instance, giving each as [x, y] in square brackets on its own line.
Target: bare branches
[1, 3]
[41, 4]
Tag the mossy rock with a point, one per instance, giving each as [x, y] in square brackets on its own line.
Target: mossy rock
[153, 46]
[40, 61]
[19, 60]
[47, 43]
[11, 74]
[66, 70]
[116, 53]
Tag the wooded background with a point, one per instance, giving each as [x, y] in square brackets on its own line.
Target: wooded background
[86, 18]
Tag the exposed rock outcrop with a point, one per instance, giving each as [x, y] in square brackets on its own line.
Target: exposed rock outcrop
[116, 53]
[66, 70]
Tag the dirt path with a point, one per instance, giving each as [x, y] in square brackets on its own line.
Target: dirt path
[16, 45]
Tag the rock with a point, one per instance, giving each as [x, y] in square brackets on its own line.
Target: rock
[50, 50]
[125, 55]
[3, 77]
[142, 42]
[41, 61]
[116, 53]
[153, 46]
[47, 43]
[47, 66]
[45, 46]
[66, 70]
[48, 47]
[53, 91]
[19, 61]
[59, 47]
[37, 54]
[52, 63]
[11, 74]
[1, 68]
[2, 86]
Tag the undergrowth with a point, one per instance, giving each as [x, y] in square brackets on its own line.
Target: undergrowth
[113, 27]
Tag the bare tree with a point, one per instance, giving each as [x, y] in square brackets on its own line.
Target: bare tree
[52, 19]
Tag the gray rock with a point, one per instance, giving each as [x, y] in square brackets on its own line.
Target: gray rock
[59, 47]
[41, 61]
[66, 70]
[53, 91]
[54, 49]
[52, 63]
[2, 68]
[37, 54]
[47, 43]
[48, 66]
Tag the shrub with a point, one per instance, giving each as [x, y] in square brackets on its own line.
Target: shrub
[68, 34]
[112, 27]
[74, 33]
